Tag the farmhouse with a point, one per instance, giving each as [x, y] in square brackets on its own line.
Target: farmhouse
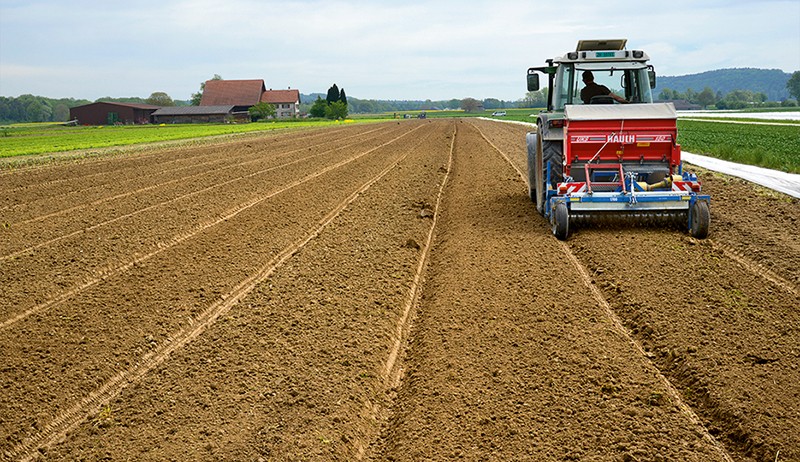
[243, 94]
[108, 113]
[199, 114]
[286, 102]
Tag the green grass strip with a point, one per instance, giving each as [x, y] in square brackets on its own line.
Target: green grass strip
[29, 139]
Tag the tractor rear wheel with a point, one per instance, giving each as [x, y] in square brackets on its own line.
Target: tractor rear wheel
[560, 221]
[534, 144]
[700, 220]
[551, 153]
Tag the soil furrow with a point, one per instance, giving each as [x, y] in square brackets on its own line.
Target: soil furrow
[37, 205]
[511, 358]
[87, 339]
[60, 425]
[115, 161]
[313, 312]
[71, 265]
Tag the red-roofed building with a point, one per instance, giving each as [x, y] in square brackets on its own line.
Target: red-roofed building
[286, 102]
[242, 94]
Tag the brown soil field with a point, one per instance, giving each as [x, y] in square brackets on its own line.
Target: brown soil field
[383, 292]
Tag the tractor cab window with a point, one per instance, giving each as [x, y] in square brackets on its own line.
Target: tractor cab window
[632, 84]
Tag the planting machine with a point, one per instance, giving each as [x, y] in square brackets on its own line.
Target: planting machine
[614, 156]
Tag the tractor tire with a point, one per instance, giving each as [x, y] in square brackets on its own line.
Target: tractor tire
[560, 221]
[550, 151]
[699, 220]
[533, 142]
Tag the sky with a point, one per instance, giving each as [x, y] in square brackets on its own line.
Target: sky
[389, 50]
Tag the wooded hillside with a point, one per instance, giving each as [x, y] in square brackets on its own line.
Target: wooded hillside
[771, 82]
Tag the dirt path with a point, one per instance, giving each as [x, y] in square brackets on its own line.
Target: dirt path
[382, 292]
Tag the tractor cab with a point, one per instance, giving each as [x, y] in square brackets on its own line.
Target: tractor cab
[623, 72]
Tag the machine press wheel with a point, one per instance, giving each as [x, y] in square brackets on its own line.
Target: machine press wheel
[699, 220]
[560, 221]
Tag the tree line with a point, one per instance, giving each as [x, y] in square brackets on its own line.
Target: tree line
[30, 108]
[737, 99]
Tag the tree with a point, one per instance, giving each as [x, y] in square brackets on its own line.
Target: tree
[159, 98]
[706, 97]
[336, 110]
[196, 97]
[333, 94]
[38, 111]
[668, 94]
[492, 103]
[470, 104]
[343, 97]
[261, 110]
[534, 99]
[691, 95]
[318, 108]
[60, 112]
[793, 85]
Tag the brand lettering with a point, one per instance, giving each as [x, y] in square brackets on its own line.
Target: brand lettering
[620, 138]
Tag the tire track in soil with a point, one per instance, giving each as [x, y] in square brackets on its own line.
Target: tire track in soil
[84, 229]
[508, 363]
[755, 268]
[727, 339]
[580, 269]
[236, 299]
[100, 276]
[699, 310]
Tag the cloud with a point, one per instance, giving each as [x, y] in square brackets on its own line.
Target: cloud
[375, 49]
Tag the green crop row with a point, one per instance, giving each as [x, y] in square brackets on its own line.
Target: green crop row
[771, 146]
[28, 139]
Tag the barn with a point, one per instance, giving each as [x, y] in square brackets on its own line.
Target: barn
[243, 94]
[110, 113]
[199, 114]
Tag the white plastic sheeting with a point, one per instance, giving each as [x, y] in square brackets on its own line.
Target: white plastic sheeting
[787, 183]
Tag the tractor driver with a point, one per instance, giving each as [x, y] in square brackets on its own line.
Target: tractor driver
[593, 89]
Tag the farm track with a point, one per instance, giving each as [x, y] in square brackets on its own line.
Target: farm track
[267, 299]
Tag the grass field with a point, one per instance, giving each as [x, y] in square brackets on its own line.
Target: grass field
[30, 139]
[771, 146]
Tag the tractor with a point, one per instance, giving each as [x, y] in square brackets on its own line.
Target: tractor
[608, 152]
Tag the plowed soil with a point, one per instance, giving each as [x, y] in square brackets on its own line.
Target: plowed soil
[383, 292]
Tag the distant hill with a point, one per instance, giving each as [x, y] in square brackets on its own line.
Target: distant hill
[772, 82]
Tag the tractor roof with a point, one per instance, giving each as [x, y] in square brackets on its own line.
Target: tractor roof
[594, 45]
